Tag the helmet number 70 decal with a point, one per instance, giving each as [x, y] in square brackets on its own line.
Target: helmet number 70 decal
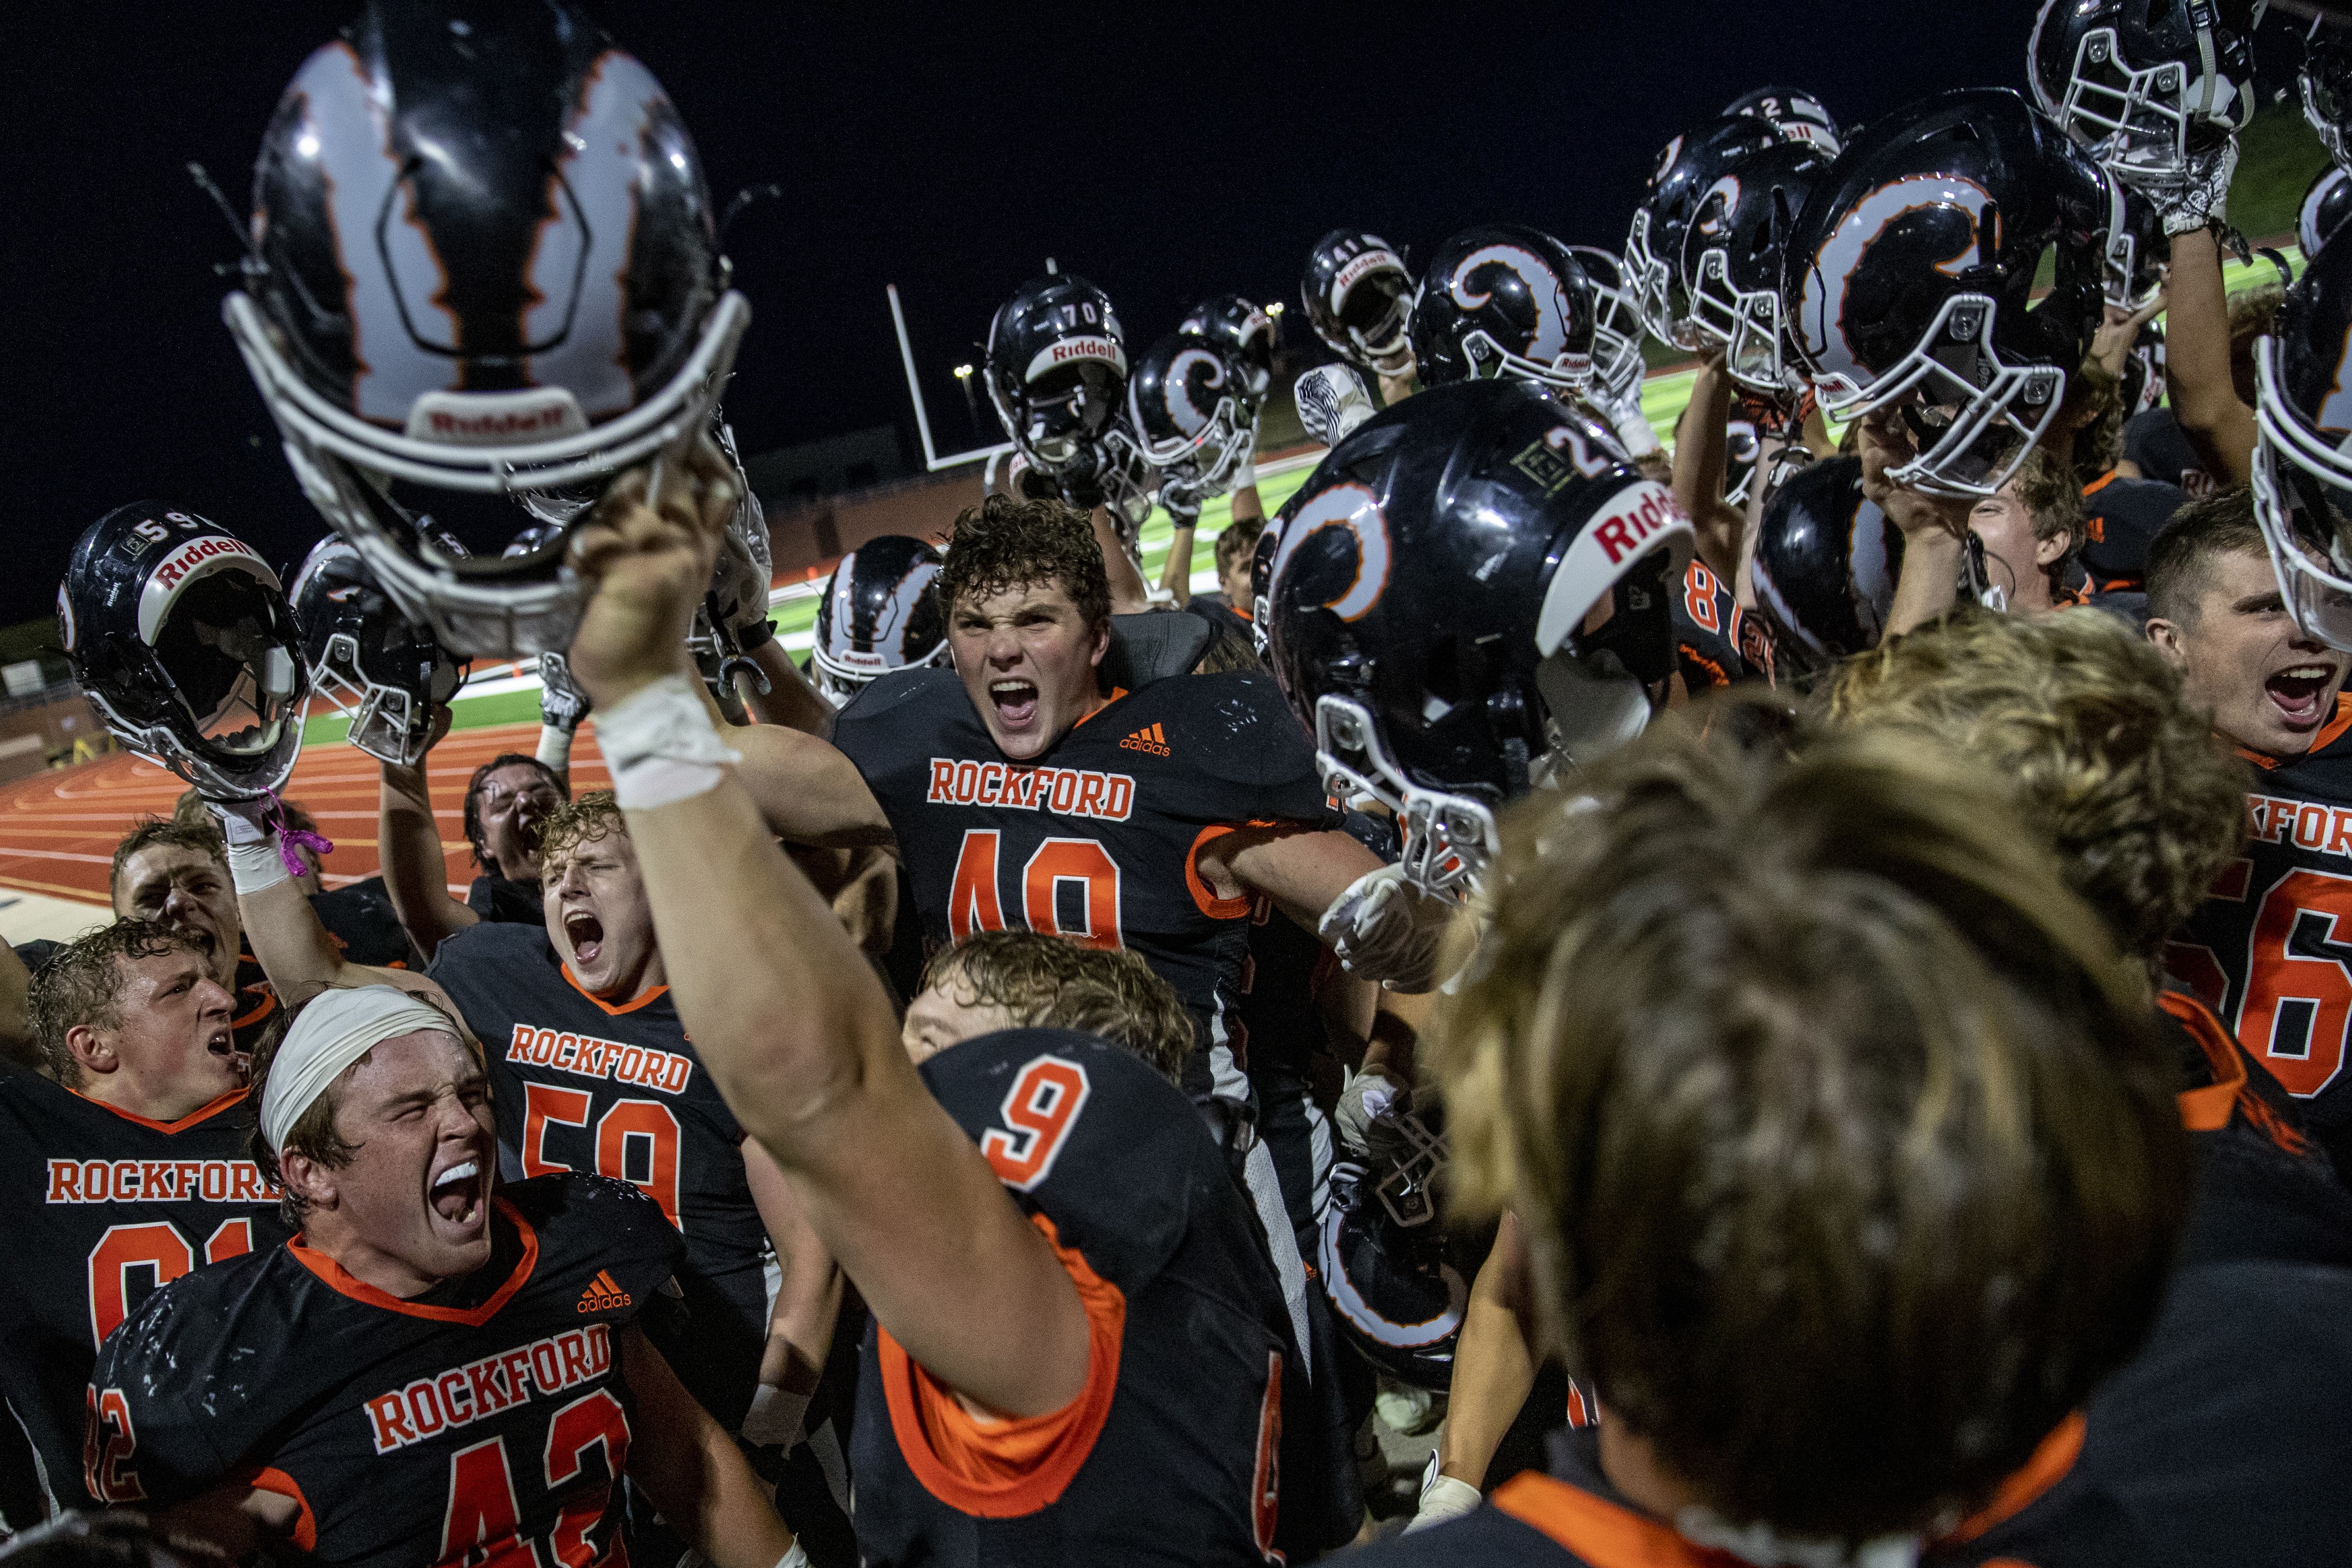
[1354, 508]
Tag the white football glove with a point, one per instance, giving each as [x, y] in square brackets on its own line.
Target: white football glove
[1332, 402]
[562, 701]
[1442, 1498]
[1383, 928]
[2204, 198]
[1369, 1097]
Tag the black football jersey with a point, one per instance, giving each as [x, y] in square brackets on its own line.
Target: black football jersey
[104, 1207]
[1180, 1460]
[2120, 519]
[2270, 948]
[484, 1424]
[2265, 1189]
[364, 925]
[2154, 443]
[2222, 1441]
[494, 898]
[581, 1084]
[1706, 627]
[1097, 839]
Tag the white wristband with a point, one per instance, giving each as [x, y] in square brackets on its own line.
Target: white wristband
[796, 1558]
[1641, 441]
[256, 864]
[555, 747]
[661, 745]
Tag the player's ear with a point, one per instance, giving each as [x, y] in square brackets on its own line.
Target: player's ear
[92, 1050]
[307, 1179]
[2051, 548]
[1102, 642]
[2166, 635]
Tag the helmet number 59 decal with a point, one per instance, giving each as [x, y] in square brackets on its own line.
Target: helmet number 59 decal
[1352, 507]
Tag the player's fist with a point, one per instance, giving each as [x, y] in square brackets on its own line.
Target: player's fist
[562, 702]
[648, 553]
[1384, 928]
[1443, 1497]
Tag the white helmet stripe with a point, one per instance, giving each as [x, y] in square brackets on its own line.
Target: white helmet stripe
[1550, 340]
[1821, 318]
[1189, 418]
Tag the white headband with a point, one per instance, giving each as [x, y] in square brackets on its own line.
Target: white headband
[335, 1031]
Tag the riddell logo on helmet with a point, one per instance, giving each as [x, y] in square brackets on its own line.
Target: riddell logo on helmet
[1355, 271]
[1623, 532]
[1084, 348]
[447, 427]
[186, 559]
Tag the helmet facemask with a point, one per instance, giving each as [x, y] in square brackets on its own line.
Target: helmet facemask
[1372, 316]
[2143, 125]
[2303, 498]
[2325, 84]
[1656, 289]
[221, 653]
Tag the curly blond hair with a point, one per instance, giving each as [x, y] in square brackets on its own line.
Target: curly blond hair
[2086, 722]
[594, 815]
[1053, 983]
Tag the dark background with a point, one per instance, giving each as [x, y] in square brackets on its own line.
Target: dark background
[1166, 155]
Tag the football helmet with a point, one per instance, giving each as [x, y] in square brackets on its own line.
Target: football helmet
[1189, 402]
[2325, 80]
[380, 670]
[2303, 426]
[2138, 251]
[1056, 368]
[1910, 278]
[1357, 292]
[1688, 169]
[1395, 1293]
[1617, 365]
[1503, 300]
[877, 614]
[2325, 206]
[1245, 332]
[483, 263]
[1795, 114]
[2144, 83]
[1427, 601]
[181, 639]
[1825, 566]
[1731, 261]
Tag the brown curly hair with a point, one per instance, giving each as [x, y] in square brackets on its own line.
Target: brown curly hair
[1052, 982]
[1006, 543]
[594, 815]
[2087, 725]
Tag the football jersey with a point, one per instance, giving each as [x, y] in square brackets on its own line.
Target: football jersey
[1097, 839]
[494, 898]
[2270, 948]
[1707, 629]
[2154, 445]
[255, 1004]
[1177, 1450]
[103, 1208]
[483, 1423]
[2120, 519]
[364, 925]
[583, 1084]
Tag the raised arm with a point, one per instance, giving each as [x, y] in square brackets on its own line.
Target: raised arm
[1934, 528]
[1702, 449]
[790, 1019]
[2197, 379]
[1128, 594]
[415, 873]
[694, 1472]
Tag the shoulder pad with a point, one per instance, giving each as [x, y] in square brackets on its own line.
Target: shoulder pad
[1238, 727]
[888, 693]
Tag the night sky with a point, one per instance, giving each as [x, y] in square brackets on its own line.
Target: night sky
[1158, 151]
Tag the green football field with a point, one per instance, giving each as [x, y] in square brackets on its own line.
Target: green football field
[509, 698]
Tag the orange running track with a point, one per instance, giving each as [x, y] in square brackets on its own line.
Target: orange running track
[57, 831]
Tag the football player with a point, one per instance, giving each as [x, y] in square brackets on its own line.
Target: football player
[2031, 532]
[1106, 1372]
[125, 1166]
[1019, 793]
[438, 1365]
[2258, 947]
[1194, 413]
[1673, 986]
[507, 801]
[1358, 293]
[179, 875]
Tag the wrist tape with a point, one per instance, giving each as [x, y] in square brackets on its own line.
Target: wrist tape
[661, 745]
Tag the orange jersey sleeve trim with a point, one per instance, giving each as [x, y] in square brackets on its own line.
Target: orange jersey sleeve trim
[2052, 1459]
[264, 1479]
[2207, 1110]
[1215, 908]
[1006, 1468]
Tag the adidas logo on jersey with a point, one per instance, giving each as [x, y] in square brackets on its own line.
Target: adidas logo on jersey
[1150, 738]
[604, 1295]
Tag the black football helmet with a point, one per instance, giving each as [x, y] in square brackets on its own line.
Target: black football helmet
[2143, 84]
[1427, 605]
[380, 670]
[1688, 169]
[2323, 211]
[1357, 292]
[1825, 567]
[2303, 428]
[878, 614]
[1056, 368]
[1731, 261]
[1395, 1293]
[181, 639]
[1245, 332]
[484, 263]
[1618, 364]
[1909, 280]
[1503, 300]
[1795, 114]
[2325, 80]
[1189, 403]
